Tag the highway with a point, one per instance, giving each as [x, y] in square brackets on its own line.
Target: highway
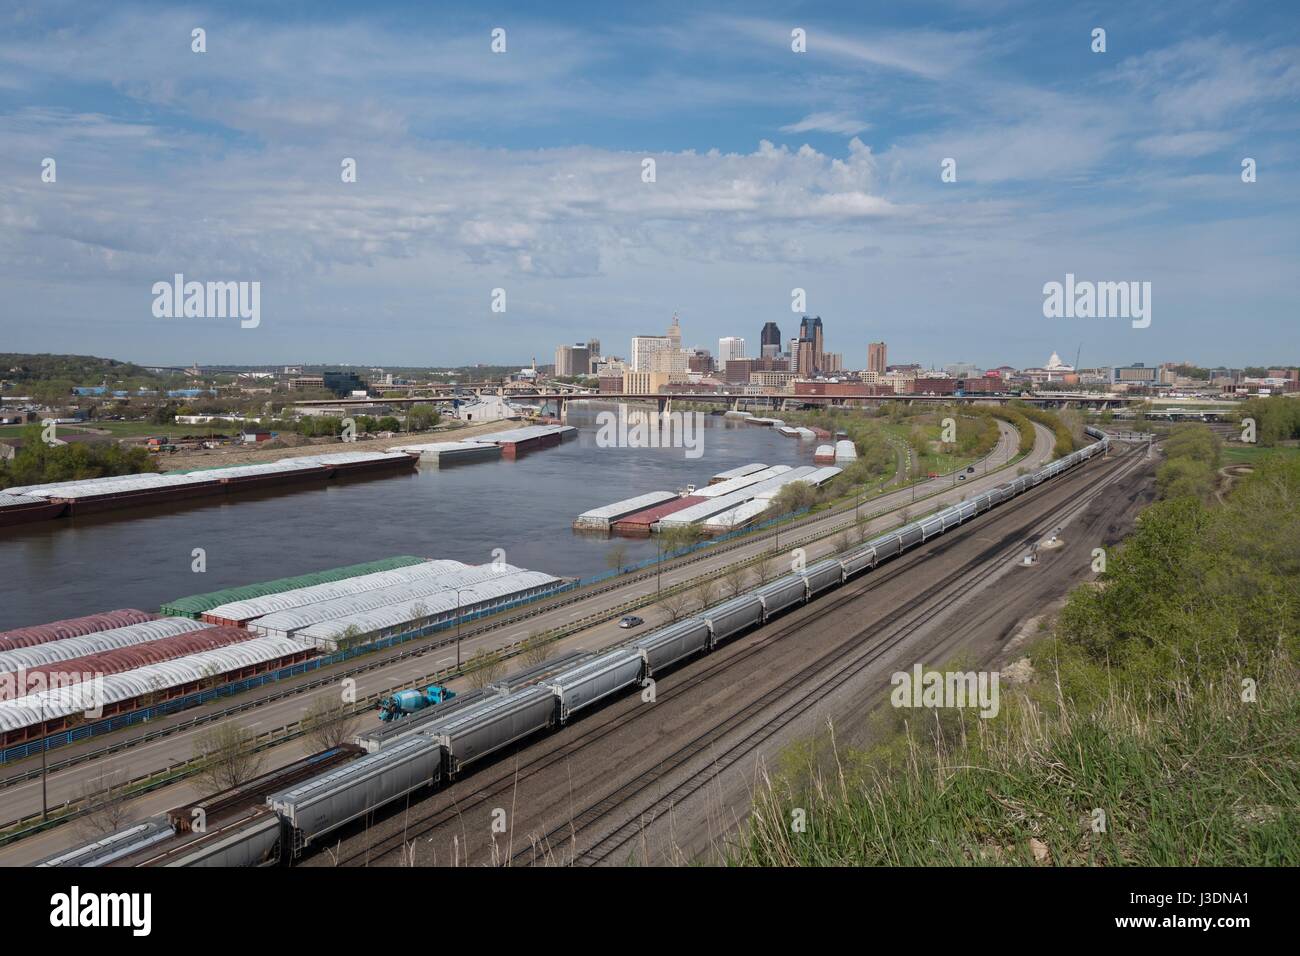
[22, 797]
[667, 781]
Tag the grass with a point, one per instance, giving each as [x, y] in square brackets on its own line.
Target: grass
[1206, 779]
[1248, 454]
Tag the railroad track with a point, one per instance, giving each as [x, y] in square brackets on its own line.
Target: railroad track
[918, 612]
[507, 778]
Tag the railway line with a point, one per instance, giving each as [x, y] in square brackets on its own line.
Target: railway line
[608, 820]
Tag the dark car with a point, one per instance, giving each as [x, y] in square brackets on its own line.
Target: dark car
[970, 469]
[961, 477]
[631, 621]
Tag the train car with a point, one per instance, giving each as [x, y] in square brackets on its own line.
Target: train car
[732, 617]
[323, 804]
[909, 536]
[823, 574]
[930, 526]
[887, 545]
[951, 517]
[782, 593]
[668, 645]
[859, 559]
[253, 840]
[594, 680]
[129, 839]
[968, 509]
[386, 735]
[497, 722]
[984, 502]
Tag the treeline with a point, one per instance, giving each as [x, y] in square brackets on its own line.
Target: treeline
[1191, 465]
[1277, 418]
[1155, 725]
[37, 463]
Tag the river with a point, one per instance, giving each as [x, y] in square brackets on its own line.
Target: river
[142, 558]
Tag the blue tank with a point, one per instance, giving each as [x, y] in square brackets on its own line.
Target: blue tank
[404, 702]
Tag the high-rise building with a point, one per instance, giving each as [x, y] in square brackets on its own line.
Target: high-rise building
[674, 334]
[810, 346]
[593, 349]
[876, 357]
[770, 340]
[572, 360]
[643, 346]
[731, 347]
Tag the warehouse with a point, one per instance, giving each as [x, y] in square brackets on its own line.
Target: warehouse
[241, 612]
[58, 708]
[494, 594]
[289, 622]
[197, 604]
[72, 627]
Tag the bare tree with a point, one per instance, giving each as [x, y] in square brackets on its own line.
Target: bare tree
[765, 568]
[329, 723]
[616, 556]
[675, 604]
[706, 592]
[536, 648]
[225, 756]
[105, 797]
[483, 668]
[735, 580]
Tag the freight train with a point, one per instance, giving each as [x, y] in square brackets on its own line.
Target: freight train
[437, 744]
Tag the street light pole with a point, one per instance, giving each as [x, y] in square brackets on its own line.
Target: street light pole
[45, 745]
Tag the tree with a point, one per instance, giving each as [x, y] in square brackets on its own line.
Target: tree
[329, 723]
[706, 593]
[536, 648]
[422, 418]
[483, 668]
[675, 604]
[225, 757]
[616, 556]
[105, 798]
[765, 568]
[735, 581]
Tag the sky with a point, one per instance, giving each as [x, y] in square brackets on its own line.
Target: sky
[774, 170]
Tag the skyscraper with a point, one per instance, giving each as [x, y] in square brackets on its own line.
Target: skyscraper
[731, 347]
[876, 357]
[810, 353]
[674, 334]
[770, 341]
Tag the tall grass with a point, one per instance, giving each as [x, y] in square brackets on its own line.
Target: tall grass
[1192, 775]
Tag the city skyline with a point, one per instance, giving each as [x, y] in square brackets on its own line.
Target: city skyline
[775, 171]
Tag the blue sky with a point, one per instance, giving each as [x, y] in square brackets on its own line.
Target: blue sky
[774, 171]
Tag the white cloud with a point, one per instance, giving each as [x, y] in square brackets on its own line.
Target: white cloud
[840, 123]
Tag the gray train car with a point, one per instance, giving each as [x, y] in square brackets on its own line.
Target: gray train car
[967, 509]
[823, 574]
[494, 723]
[594, 680]
[909, 536]
[887, 545]
[130, 839]
[252, 841]
[673, 643]
[325, 803]
[951, 517]
[732, 617]
[930, 526]
[534, 674]
[983, 502]
[859, 559]
[782, 593]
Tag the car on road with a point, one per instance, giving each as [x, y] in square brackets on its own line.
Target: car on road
[970, 469]
[631, 621]
[961, 477]
[934, 474]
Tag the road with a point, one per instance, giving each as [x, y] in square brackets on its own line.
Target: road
[668, 780]
[23, 798]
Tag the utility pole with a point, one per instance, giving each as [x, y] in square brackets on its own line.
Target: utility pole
[45, 745]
